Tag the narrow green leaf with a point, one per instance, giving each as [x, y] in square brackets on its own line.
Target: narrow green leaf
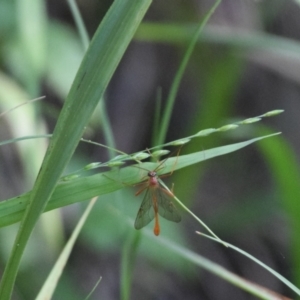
[273, 272]
[105, 51]
[219, 271]
[50, 284]
[84, 188]
[179, 74]
[129, 253]
[284, 167]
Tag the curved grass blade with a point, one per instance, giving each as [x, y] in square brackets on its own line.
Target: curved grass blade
[220, 271]
[179, 74]
[105, 51]
[50, 284]
[273, 272]
[83, 188]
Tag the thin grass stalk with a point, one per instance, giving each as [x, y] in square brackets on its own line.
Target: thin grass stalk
[179, 74]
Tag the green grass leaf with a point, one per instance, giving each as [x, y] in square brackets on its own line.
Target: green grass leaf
[83, 188]
[105, 52]
[50, 284]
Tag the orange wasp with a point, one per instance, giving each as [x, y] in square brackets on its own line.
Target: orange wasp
[157, 201]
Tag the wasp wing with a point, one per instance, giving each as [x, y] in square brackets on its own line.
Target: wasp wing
[145, 214]
[166, 208]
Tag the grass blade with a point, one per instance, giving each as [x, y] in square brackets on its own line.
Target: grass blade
[273, 272]
[105, 51]
[179, 74]
[84, 188]
[220, 271]
[50, 284]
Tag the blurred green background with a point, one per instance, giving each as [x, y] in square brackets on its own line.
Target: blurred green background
[246, 63]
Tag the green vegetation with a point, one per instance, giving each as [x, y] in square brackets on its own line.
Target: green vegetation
[42, 51]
